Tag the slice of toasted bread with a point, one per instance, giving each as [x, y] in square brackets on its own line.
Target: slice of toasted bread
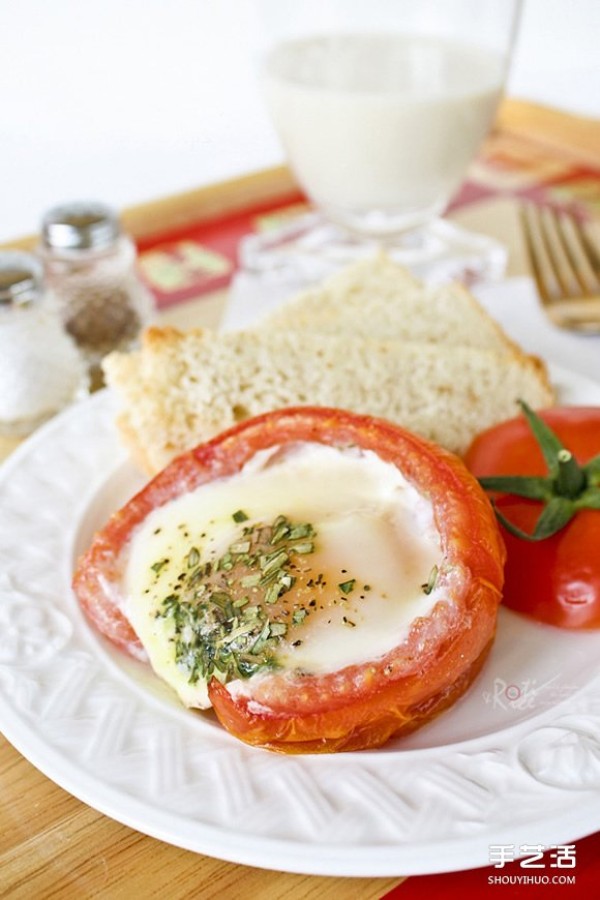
[378, 298]
[182, 388]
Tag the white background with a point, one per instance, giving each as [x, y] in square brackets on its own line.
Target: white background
[129, 100]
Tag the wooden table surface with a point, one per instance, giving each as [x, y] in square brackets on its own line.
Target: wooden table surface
[54, 846]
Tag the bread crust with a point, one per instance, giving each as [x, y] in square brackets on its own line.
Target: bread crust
[182, 388]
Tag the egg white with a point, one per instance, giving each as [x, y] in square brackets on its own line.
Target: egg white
[372, 527]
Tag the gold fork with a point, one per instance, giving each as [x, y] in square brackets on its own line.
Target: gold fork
[566, 267]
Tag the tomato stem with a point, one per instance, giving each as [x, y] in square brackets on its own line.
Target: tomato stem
[570, 480]
[567, 488]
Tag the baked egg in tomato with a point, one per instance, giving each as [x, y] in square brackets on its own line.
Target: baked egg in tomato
[324, 580]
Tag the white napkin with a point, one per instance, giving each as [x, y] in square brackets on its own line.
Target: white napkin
[515, 305]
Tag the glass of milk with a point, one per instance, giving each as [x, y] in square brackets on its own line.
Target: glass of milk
[380, 106]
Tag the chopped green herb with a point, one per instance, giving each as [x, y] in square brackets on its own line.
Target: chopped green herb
[193, 558]
[301, 531]
[272, 593]
[273, 561]
[280, 532]
[430, 584]
[286, 581]
[159, 565]
[226, 562]
[240, 547]
[250, 580]
[306, 547]
[262, 637]
[346, 587]
[217, 632]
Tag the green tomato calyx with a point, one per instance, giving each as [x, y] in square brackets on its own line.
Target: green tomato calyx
[567, 488]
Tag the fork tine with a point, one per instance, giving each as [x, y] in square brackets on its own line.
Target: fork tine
[581, 251]
[590, 251]
[541, 264]
[566, 267]
[563, 266]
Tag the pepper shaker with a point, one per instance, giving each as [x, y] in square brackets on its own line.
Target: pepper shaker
[90, 271]
[41, 370]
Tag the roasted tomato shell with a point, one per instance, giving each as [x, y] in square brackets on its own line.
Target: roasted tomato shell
[360, 706]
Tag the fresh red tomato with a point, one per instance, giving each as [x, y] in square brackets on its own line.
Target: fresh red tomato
[557, 579]
[361, 705]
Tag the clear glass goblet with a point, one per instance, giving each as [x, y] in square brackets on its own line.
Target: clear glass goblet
[381, 105]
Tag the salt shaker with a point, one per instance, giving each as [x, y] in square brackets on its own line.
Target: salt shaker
[41, 369]
[90, 272]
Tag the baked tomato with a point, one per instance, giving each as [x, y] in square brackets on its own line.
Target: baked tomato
[316, 623]
[550, 512]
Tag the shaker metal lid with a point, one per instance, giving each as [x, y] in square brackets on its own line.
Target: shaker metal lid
[20, 278]
[80, 226]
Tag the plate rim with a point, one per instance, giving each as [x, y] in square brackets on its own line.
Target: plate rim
[437, 855]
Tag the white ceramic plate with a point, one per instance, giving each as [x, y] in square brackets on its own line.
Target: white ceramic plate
[516, 761]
